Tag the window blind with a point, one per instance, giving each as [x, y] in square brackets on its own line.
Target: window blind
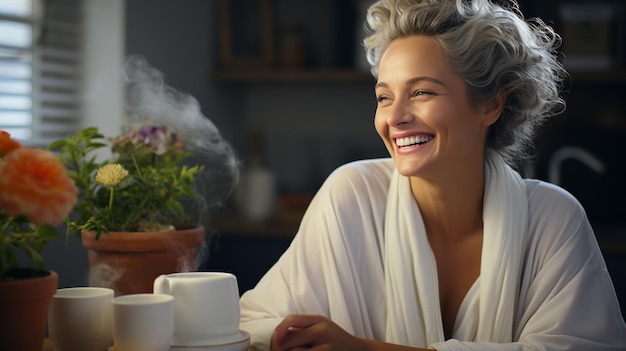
[40, 65]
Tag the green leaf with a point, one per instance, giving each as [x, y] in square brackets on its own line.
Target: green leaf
[47, 232]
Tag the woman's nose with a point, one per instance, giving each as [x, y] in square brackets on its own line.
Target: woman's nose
[399, 113]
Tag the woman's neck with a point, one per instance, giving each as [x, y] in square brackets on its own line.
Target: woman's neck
[451, 204]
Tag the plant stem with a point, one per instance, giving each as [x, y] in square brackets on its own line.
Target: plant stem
[111, 198]
[132, 154]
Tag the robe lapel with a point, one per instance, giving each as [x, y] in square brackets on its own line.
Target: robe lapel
[413, 312]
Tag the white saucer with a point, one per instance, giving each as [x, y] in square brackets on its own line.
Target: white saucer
[237, 342]
[240, 342]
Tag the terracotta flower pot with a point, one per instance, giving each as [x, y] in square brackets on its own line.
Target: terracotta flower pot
[24, 311]
[128, 262]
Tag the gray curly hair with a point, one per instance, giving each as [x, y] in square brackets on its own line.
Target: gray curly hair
[493, 49]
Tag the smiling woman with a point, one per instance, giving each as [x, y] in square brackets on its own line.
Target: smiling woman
[414, 80]
[444, 245]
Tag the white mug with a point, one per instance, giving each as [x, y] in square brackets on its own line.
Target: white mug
[80, 319]
[143, 322]
[206, 307]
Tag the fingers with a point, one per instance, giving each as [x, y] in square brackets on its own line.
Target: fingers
[314, 333]
[291, 333]
[292, 322]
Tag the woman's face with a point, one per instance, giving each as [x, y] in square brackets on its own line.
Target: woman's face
[424, 114]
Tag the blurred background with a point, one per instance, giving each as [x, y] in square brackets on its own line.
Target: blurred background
[286, 83]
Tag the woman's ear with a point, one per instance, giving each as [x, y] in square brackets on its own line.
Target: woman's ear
[493, 109]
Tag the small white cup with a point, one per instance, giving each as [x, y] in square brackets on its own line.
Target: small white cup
[207, 307]
[143, 322]
[80, 319]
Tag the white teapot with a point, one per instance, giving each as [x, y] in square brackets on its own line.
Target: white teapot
[206, 307]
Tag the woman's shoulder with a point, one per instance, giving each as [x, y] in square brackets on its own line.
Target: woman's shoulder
[353, 195]
[556, 217]
[552, 198]
[370, 172]
[363, 179]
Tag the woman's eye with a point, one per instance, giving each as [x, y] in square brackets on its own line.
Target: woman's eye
[421, 93]
[381, 98]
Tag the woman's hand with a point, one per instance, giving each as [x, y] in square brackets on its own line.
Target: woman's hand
[313, 332]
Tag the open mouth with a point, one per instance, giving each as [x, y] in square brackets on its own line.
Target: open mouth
[414, 140]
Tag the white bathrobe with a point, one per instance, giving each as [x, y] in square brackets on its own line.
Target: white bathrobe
[361, 258]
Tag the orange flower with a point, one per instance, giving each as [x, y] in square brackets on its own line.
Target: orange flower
[7, 144]
[34, 183]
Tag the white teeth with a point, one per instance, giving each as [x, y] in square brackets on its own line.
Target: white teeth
[415, 139]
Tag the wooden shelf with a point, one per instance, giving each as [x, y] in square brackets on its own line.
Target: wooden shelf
[248, 75]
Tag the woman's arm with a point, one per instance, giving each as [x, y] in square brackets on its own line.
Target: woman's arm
[333, 267]
[313, 332]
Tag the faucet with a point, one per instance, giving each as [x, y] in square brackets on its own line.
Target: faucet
[567, 152]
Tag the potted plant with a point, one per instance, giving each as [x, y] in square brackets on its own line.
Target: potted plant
[138, 189]
[131, 212]
[36, 193]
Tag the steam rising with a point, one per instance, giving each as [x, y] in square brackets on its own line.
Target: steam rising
[149, 100]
